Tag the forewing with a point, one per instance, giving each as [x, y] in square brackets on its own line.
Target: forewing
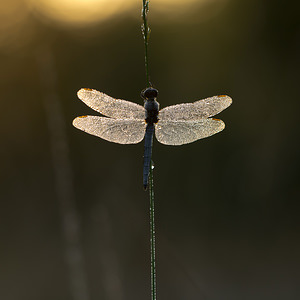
[197, 110]
[111, 107]
[121, 131]
[185, 132]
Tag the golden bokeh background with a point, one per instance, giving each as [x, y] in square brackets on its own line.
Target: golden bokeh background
[74, 216]
[78, 12]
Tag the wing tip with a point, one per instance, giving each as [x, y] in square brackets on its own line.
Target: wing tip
[221, 124]
[76, 121]
[83, 90]
[226, 98]
[86, 89]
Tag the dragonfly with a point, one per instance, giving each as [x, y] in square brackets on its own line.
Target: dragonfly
[126, 122]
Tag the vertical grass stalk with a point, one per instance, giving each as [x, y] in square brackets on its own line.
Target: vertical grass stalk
[146, 34]
[152, 235]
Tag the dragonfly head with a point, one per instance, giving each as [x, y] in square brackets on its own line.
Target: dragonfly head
[149, 93]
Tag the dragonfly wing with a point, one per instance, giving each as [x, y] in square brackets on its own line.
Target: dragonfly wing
[121, 131]
[185, 132]
[197, 110]
[111, 107]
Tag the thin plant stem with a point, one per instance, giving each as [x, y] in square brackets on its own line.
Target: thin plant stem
[152, 235]
[146, 33]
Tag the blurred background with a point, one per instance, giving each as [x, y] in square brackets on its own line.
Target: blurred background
[74, 216]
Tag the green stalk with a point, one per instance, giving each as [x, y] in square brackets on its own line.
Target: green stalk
[146, 33]
[152, 235]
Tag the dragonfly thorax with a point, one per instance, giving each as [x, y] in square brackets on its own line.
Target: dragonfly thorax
[151, 105]
[151, 111]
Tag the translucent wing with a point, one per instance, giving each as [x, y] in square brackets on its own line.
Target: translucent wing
[121, 131]
[111, 107]
[185, 132]
[197, 110]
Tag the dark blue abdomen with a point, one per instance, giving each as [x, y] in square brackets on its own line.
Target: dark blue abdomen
[147, 153]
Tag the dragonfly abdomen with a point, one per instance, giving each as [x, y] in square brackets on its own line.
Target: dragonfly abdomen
[147, 153]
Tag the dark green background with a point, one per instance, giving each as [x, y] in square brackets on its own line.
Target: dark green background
[227, 207]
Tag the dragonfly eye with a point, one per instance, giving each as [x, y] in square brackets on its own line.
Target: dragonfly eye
[149, 93]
